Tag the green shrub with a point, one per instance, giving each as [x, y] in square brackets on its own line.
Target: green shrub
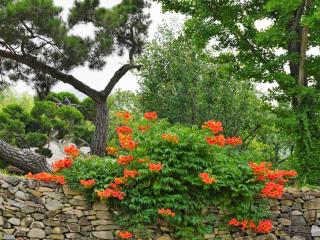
[182, 154]
[61, 96]
[100, 169]
[36, 139]
[45, 121]
[44, 108]
[69, 114]
[16, 112]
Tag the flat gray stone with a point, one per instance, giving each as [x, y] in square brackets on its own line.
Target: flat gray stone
[13, 180]
[312, 204]
[315, 231]
[296, 213]
[37, 224]
[9, 237]
[26, 222]
[297, 221]
[297, 237]
[54, 205]
[37, 233]
[12, 190]
[21, 195]
[15, 203]
[14, 221]
[103, 234]
[4, 185]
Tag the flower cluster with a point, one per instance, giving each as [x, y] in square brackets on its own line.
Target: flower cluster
[217, 140]
[114, 190]
[234, 222]
[205, 177]
[71, 151]
[274, 179]
[272, 190]
[109, 192]
[234, 141]
[112, 151]
[62, 164]
[144, 128]
[125, 235]
[264, 226]
[155, 167]
[127, 142]
[124, 130]
[260, 169]
[166, 212]
[150, 115]
[130, 173]
[280, 174]
[46, 177]
[125, 160]
[125, 138]
[170, 138]
[143, 160]
[119, 181]
[88, 183]
[124, 116]
[214, 127]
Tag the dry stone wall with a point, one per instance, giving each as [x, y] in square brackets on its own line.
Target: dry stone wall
[36, 210]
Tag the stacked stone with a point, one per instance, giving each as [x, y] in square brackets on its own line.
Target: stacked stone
[296, 216]
[36, 210]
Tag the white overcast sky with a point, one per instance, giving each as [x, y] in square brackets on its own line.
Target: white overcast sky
[99, 79]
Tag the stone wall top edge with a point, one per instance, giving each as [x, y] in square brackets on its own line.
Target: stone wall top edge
[28, 183]
[15, 180]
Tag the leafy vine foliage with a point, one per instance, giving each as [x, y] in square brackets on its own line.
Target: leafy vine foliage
[159, 174]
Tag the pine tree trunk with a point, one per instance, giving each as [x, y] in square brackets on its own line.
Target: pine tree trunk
[98, 144]
[25, 160]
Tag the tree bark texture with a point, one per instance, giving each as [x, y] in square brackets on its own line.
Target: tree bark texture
[98, 144]
[25, 160]
[303, 104]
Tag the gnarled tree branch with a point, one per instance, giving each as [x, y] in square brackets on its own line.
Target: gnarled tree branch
[117, 76]
[66, 78]
[25, 160]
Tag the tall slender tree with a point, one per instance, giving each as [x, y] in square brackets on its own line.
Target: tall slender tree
[36, 45]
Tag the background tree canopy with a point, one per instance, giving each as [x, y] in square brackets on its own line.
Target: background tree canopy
[190, 86]
[275, 54]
